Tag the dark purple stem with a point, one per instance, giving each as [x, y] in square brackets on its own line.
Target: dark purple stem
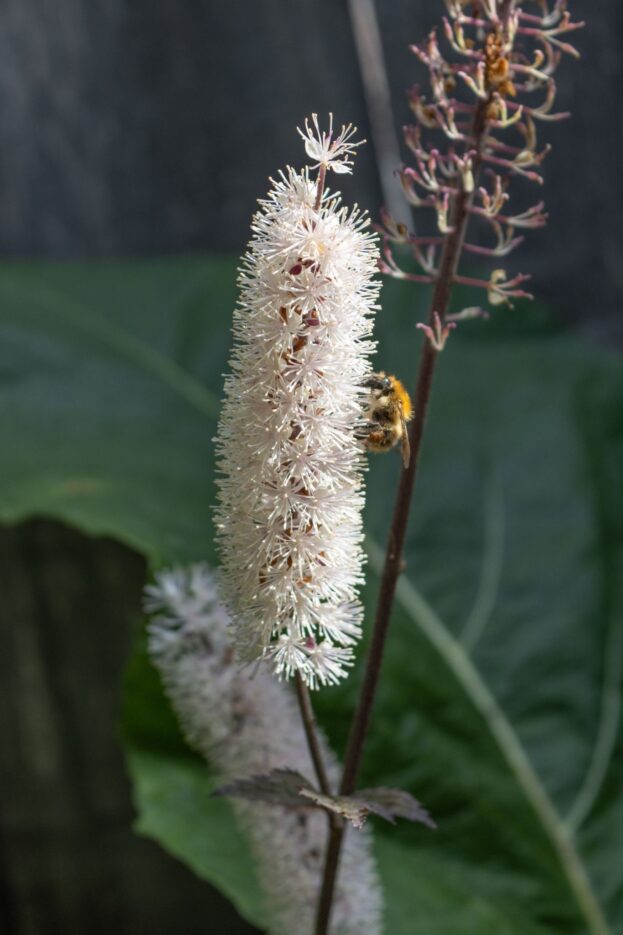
[311, 735]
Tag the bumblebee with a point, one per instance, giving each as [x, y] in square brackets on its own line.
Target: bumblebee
[387, 412]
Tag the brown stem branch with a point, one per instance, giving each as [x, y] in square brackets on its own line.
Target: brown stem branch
[322, 174]
[336, 825]
[451, 253]
[311, 735]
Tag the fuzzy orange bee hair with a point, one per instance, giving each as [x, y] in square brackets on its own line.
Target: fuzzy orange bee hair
[403, 397]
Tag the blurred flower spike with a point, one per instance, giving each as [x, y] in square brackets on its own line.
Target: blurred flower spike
[291, 489]
[244, 723]
[487, 95]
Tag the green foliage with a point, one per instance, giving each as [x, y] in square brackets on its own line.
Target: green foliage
[176, 807]
[500, 701]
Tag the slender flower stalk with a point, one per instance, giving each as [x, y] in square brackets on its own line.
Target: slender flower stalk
[506, 58]
[246, 724]
[290, 489]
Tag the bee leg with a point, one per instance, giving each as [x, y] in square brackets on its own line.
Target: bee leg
[363, 429]
[379, 438]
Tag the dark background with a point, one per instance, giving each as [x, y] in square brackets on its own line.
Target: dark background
[151, 126]
[134, 127]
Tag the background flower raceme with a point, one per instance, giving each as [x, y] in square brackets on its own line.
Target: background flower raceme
[290, 491]
[248, 724]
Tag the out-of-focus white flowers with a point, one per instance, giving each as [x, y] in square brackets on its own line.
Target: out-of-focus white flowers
[247, 724]
[290, 487]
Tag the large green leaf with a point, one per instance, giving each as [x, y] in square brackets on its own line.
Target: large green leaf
[109, 378]
[499, 706]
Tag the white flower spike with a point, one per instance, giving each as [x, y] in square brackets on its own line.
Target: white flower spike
[326, 152]
[247, 724]
[290, 488]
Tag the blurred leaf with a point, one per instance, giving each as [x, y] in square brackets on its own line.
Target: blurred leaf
[500, 699]
[392, 804]
[426, 895]
[279, 787]
[383, 801]
[105, 392]
[176, 807]
[288, 788]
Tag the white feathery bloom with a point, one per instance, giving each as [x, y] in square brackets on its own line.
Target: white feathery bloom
[324, 151]
[245, 725]
[290, 487]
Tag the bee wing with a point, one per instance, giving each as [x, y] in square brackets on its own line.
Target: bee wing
[404, 444]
